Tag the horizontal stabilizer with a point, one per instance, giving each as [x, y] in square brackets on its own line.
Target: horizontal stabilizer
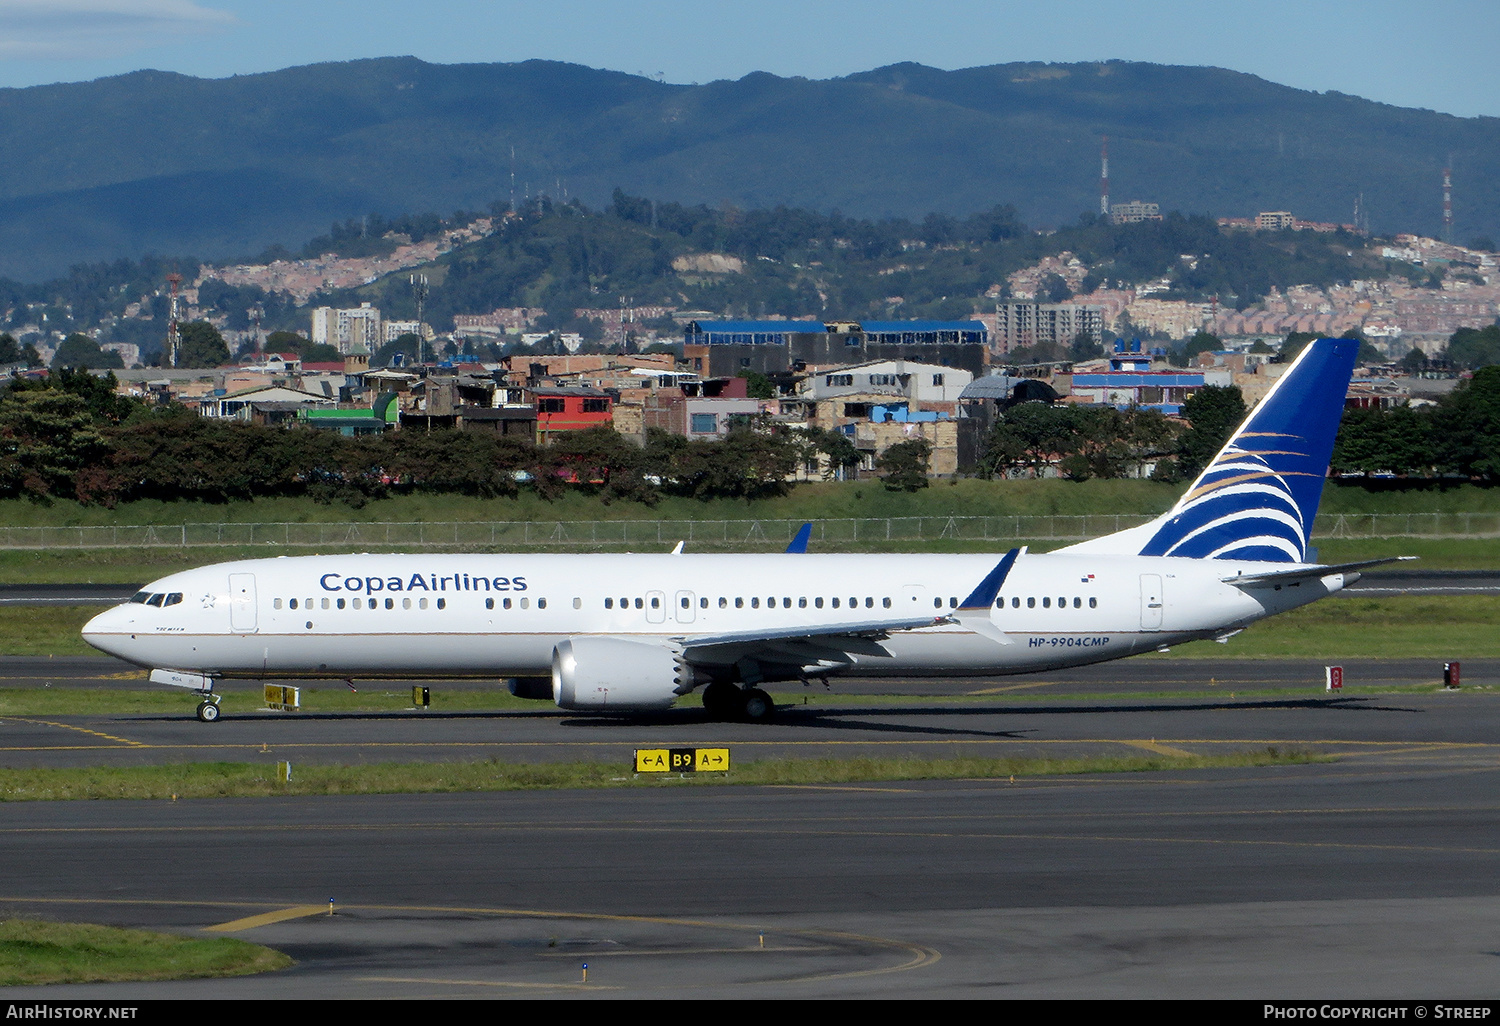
[1308, 573]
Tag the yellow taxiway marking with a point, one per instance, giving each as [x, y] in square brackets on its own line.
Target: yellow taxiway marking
[1015, 687]
[81, 730]
[267, 918]
[1159, 749]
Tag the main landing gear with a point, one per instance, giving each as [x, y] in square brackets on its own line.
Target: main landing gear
[208, 709]
[727, 702]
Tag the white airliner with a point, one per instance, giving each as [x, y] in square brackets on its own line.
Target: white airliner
[636, 632]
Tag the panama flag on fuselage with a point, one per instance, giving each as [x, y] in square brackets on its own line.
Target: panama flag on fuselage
[1258, 497]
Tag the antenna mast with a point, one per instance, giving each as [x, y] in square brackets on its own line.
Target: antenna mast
[174, 338]
[419, 290]
[1448, 201]
[1104, 178]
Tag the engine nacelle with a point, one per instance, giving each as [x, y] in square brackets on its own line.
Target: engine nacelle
[607, 673]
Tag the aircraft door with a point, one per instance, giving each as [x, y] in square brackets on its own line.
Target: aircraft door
[1151, 602]
[242, 603]
[656, 607]
[685, 609]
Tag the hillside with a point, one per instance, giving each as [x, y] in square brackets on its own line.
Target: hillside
[158, 162]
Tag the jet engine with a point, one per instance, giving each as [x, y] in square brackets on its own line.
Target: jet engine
[608, 673]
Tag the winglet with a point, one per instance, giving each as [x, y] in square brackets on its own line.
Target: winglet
[799, 543]
[983, 596]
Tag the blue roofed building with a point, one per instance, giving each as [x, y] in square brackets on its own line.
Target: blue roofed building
[727, 348]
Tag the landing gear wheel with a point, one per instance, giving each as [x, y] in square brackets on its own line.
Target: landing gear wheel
[720, 699]
[758, 706]
[208, 711]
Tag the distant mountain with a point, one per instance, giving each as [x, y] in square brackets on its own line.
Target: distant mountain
[158, 162]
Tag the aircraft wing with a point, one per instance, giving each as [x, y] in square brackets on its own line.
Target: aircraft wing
[1308, 573]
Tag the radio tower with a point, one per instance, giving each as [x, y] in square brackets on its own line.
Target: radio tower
[1104, 178]
[1448, 201]
[173, 338]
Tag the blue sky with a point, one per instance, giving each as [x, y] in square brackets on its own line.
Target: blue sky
[1438, 56]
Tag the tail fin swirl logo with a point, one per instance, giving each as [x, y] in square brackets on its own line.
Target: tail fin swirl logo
[1258, 497]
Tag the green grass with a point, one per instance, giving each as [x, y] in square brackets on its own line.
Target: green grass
[238, 780]
[33, 953]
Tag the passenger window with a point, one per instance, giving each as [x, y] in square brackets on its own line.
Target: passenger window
[801, 603]
[1077, 603]
[655, 602]
[869, 602]
[525, 603]
[1015, 602]
[755, 602]
[442, 603]
[577, 603]
[937, 603]
[953, 602]
[325, 602]
[1030, 602]
[609, 603]
[723, 602]
[1093, 602]
[276, 603]
[818, 603]
[739, 603]
[1047, 602]
[341, 603]
[1062, 603]
[639, 603]
[703, 603]
[540, 603]
[291, 605]
[406, 603]
[886, 602]
[835, 603]
[489, 603]
[503, 602]
[686, 602]
[390, 603]
[356, 603]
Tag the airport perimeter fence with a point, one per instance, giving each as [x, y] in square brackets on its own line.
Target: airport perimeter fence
[768, 535]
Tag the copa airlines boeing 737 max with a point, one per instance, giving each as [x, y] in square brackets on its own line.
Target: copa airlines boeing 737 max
[636, 632]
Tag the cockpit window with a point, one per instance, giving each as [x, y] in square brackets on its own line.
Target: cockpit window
[173, 598]
[141, 597]
[155, 600]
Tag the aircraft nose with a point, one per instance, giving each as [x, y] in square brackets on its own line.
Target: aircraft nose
[109, 630]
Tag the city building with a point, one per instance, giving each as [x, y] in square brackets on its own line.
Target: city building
[342, 329]
[727, 348]
[1030, 324]
[1133, 212]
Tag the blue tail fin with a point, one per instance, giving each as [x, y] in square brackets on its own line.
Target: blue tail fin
[1258, 497]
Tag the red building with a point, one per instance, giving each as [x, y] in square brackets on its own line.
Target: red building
[571, 409]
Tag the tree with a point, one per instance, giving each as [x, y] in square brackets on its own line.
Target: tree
[1296, 341]
[201, 345]
[46, 437]
[1466, 426]
[78, 350]
[905, 465]
[1213, 412]
[757, 385]
[1475, 347]
[1414, 362]
[285, 342]
[10, 349]
[404, 346]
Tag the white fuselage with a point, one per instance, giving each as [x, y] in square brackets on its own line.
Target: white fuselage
[497, 615]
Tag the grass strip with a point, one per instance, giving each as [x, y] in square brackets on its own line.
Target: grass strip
[34, 952]
[248, 780]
